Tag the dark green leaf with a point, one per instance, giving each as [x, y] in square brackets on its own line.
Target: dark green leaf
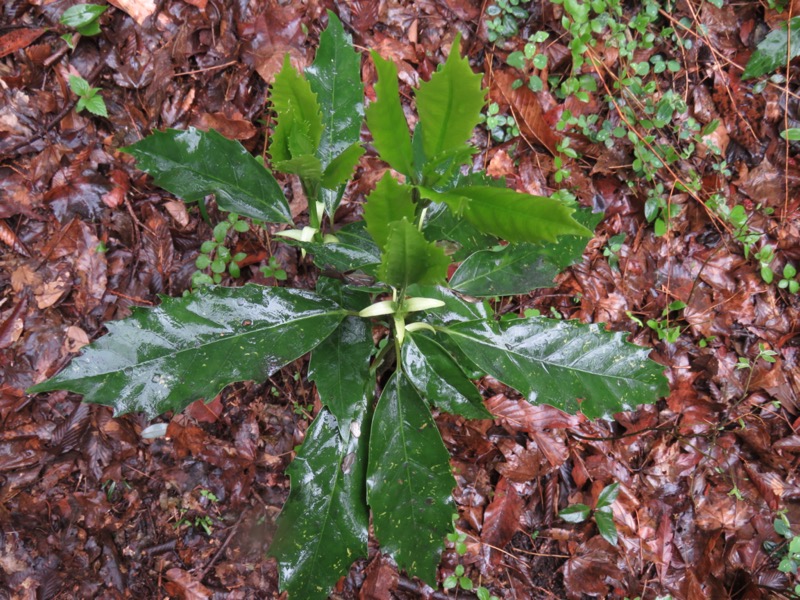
[459, 236]
[341, 167]
[386, 120]
[299, 117]
[607, 496]
[340, 368]
[510, 215]
[439, 379]
[164, 358]
[388, 202]
[576, 513]
[455, 309]
[354, 250]
[773, 50]
[559, 362]
[335, 77]
[193, 163]
[409, 481]
[450, 104]
[606, 526]
[409, 258]
[323, 527]
[81, 15]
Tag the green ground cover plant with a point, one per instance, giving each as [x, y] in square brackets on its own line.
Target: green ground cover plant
[373, 450]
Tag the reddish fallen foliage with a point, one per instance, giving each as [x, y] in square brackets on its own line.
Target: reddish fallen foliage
[88, 509]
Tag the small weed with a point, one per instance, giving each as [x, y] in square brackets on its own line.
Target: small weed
[89, 98]
[612, 250]
[506, 16]
[216, 256]
[603, 514]
[83, 18]
[662, 327]
[502, 128]
[273, 269]
[790, 557]
[789, 280]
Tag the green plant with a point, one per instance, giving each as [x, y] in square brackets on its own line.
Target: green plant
[88, 97]
[365, 451]
[790, 560]
[216, 256]
[84, 18]
[502, 128]
[273, 269]
[602, 513]
[612, 250]
[662, 327]
[775, 50]
[765, 256]
[506, 16]
[789, 280]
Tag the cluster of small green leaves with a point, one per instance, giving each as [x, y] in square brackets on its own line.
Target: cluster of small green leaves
[505, 17]
[791, 558]
[665, 331]
[89, 98]
[367, 460]
[502, 128]
[613, 248]
[603, 513]
[216, 256]
[458, 579]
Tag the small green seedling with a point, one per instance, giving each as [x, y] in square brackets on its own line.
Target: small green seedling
[665, 332]
[791, 559]
[216, 256]
[506, 16]
[88, 97]
[457, 579]
[603, 514]
[612, 250]
[765, 256]
[789, 280]
[273, 269]
[84, 18]
[502, 128]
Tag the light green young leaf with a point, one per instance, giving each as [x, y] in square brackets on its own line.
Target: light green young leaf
[566, 364]
[306, 166]
[96, 105]
[79, 86]
[390, 201]
[335, 77]
[193, 163]
[450, 104]
[82, 15]
[299, 118]
[386, 120]
[510, 215]
[188, 348]
[409, 483]
[323, 527]
[773, 50]
[341, 167]
[439, 379]
[409, 258]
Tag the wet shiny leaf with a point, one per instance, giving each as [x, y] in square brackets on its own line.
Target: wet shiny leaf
[562, 362]
[188, 348]
[409, 480]
[439, 379]
[299, 128]
[390, 201]
[323, 526]
[409, 258]
[772, 50]
[192, 164]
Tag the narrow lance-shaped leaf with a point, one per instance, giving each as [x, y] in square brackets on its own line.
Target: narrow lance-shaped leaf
[510, 215]
[335, 77]
[193, 163]
[341, 168]
[340, 369]
[386, 120]
[323, 527]
[390, 201]
[164, 358]
[450, 104]
[560, 362]
[409, 258]
[439, 379]
[409, 481]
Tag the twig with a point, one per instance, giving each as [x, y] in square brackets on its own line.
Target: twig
[221, 548]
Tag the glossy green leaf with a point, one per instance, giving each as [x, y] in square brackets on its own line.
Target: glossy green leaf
[510, 215]
[81, 15]
[455, 309]
[341, 167]
[409, 258]
[335, 77]
[575, 513]
[607, 496]
[439, 379]
[559, 362]
[354, 250]
[193, 163]
[441, 172]
[299, 128]
[409, 481]
[450, 104]
[164, 358]
[606, 526]
[340, 368]
[386, 120]
[457, 236]
[520, 268]
[390, 201]
[306, 166]
[323, 527]
[773, 50]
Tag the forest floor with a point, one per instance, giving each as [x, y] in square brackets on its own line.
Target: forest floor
[89, 509]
